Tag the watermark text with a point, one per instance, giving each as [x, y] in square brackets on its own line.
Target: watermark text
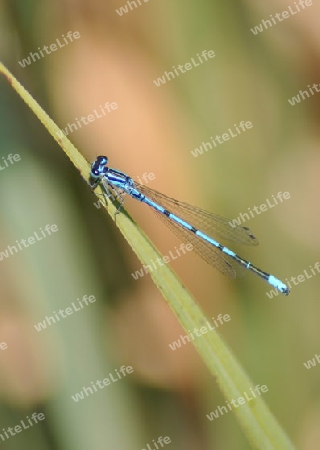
[25, 424]
[9, 160]
[302, 95]
[161, 441]
[183, 68]
[221, 410]
[280, 17]
[133, 4]
[85, 120]
[312, 362]
[243, 217]
[154, 265]
[53, 47]
[294, 281]
[206, 146]
[198, 332]
[63, 313]
[25, 243]
[102, 384]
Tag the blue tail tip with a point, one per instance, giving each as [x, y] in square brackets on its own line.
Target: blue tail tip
[283, 288]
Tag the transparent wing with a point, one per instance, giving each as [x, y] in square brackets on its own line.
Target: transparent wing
[208, 223]
[211, 224]
[208, 252]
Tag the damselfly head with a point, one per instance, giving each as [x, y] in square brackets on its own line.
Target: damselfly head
[98, 167]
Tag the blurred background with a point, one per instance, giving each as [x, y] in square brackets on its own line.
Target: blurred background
[155, 130]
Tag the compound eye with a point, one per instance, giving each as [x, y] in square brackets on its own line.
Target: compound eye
[102, 160]
[95, 172]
